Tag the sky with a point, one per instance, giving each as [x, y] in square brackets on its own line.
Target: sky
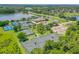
[39, 1]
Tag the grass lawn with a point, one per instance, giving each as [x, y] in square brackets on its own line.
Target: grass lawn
[71, 14]
[30, 37]
[61, 20]
[38, 14]
[36, 32]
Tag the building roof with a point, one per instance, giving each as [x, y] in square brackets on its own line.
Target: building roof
[56, 21]
[27, 32]
[39, 42]
[39, 19]
[59, 29]
[6, 28]
[25, 23]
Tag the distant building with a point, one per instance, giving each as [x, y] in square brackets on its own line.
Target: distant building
[28, 8]
[56, 21]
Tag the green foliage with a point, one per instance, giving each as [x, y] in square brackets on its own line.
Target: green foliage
[9, 43]
[23, 19]
[40, 28]
[75, 49]
[69, 43]
[22, 37]
[37, 51]
[61, 15]
[56, 51]
[50, 25]
[6, 10]
[17, 28]
[71, 39]
[3, 23]
[50, 46]
[77, 22]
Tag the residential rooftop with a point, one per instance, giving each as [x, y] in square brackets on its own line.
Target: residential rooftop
[27, 32]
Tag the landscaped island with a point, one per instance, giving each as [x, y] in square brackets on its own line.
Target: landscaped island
[46, 29]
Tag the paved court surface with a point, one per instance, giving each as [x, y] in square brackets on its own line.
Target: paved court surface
[39, 42]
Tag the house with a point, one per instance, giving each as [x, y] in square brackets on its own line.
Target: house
[56, 22]
[24, 24]
[38, 20]
[27, 32]
[7, 28]
[59, 29]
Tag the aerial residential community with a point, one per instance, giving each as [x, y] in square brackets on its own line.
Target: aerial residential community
[39, 29]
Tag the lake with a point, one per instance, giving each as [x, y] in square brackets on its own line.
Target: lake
[15, 16]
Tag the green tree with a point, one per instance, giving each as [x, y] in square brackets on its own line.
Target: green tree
[9, 44]
[37, 51]
[50, 45]
[17, 28]
[77, 22]
[23, 19]
[3, 23]
[56, 51]
[75, 50]
[22, 37]
[40, 29]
